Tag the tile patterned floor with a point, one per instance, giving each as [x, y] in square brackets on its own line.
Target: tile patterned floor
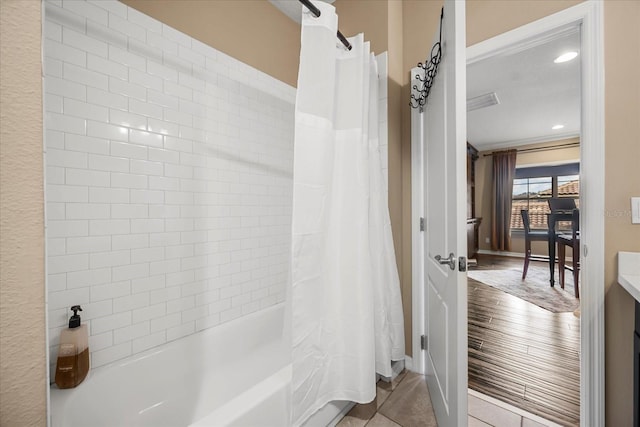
[405, 402]
[520, 353]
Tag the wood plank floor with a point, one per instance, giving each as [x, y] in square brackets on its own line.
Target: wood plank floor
[522, 354]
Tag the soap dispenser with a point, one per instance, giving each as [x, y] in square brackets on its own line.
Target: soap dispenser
[73, 353]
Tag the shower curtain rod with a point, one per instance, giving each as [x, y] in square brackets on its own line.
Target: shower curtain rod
[316, 13]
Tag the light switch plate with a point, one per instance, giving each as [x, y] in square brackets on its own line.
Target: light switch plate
[635, 210]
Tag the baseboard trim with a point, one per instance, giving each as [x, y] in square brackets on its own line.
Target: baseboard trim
[514, 255]
[501, 253]
[408, 363]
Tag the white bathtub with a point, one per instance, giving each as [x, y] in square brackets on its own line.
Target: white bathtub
[237, 374]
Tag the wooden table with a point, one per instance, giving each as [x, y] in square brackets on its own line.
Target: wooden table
[552, 219]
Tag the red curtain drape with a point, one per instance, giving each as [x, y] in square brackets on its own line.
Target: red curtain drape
[504, 170]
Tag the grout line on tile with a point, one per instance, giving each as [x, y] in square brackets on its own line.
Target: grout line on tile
[484, 422]
[513, 409]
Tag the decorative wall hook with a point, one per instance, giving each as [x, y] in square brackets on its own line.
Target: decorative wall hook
[430, 67]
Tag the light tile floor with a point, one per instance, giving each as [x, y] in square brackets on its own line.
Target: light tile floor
[405, 402]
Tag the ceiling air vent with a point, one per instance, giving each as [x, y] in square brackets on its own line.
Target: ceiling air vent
[482, 101]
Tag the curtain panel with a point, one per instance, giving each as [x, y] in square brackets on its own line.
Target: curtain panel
[504, 170]
[346, 308]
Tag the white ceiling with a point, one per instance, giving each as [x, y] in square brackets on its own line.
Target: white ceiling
[534, 92]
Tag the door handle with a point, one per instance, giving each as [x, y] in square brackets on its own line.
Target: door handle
[451, 260]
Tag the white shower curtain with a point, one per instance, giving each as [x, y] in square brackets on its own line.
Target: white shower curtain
[345, 296]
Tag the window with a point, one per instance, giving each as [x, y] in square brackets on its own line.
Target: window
[532, 188]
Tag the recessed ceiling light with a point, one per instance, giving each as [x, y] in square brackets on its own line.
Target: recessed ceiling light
[556, 127]
[565, 57]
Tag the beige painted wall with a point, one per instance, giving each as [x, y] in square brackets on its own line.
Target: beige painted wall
[370, 18]
[252, 31]
[622, 179]
[397, 174]
[488, 18]
[23, 383]
[483, 187]
[22, 262]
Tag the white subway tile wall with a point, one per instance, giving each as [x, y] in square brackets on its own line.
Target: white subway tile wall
[169, 180]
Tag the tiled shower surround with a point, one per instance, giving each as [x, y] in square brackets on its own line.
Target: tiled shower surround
[168, 180]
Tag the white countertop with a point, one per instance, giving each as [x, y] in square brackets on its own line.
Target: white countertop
[629, 272]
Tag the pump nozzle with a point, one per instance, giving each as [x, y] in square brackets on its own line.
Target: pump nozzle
[74, 321]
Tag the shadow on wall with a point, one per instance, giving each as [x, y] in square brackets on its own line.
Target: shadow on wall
[400, 200]
[283, 171]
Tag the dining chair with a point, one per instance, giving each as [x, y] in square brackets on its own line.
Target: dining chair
[531, 236]
[562, 204]
[573, 241]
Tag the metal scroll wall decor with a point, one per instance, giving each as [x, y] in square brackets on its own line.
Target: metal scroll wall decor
[430, 67]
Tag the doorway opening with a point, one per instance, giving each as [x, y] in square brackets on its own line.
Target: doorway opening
[588, 16]
[523, 334]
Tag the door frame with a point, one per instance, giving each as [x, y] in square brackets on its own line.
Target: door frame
[588, 16]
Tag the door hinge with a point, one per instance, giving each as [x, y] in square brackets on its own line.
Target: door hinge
[421, 224]
[423, 342]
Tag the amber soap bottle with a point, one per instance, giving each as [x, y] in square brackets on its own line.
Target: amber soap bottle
[73, 354]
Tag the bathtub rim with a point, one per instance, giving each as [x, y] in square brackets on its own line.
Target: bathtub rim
[60, 398]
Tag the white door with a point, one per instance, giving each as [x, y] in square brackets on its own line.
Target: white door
[445, 196]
